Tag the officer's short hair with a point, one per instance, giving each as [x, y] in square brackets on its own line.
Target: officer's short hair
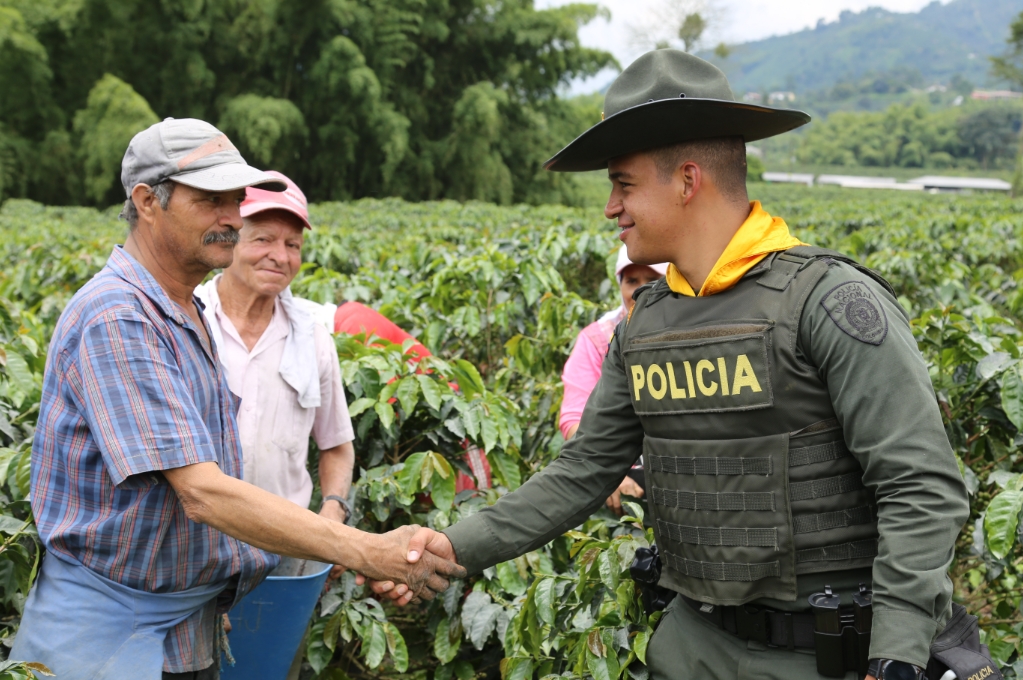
[723, 157]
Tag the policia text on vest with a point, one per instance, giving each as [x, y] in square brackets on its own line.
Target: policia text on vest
[669, 376]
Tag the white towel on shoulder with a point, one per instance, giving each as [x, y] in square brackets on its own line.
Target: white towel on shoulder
[298, 361]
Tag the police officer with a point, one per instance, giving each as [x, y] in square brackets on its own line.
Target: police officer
[790, 431]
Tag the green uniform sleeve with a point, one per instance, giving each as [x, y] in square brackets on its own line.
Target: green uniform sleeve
[884, 400]
[560, 497]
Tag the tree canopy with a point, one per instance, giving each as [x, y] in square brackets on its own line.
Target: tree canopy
[419, 99]
[914, 136]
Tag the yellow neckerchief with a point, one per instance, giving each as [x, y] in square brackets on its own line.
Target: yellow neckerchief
[759, 236]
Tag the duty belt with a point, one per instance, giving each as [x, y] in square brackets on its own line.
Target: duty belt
[767, 626]
[840, 636]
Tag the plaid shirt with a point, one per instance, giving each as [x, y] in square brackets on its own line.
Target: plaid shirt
[130, 389]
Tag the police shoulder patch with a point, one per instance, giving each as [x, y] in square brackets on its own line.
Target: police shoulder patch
[856, 310]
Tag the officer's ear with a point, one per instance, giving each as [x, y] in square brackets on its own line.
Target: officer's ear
[689, 177]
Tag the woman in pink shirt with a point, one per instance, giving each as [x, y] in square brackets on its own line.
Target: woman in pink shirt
[582, 370]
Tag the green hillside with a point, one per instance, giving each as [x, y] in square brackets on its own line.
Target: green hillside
[939, 41]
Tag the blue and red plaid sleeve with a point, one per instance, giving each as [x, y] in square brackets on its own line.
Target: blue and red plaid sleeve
[135, 399]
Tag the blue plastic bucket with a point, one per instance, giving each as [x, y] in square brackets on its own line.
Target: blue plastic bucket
[268, 625]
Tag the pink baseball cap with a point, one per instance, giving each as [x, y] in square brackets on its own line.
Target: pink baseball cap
[291, 199]
[620, 265]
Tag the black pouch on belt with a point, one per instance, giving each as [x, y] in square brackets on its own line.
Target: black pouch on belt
[957, 648]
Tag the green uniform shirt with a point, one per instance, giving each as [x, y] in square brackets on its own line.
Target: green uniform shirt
[883, 399]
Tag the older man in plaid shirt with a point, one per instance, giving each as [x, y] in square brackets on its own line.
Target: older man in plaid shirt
[136, 461]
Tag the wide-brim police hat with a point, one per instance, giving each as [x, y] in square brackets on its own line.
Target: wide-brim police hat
[665, 97]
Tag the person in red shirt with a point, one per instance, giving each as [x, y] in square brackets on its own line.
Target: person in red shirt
[355, 318]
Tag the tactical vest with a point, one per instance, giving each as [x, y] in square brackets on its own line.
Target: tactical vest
[748, 478]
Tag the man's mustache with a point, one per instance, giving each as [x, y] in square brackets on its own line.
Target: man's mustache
[229, 236]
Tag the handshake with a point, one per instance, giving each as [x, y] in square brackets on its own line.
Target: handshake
[409, 564]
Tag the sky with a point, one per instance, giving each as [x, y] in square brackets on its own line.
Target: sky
[737, 21]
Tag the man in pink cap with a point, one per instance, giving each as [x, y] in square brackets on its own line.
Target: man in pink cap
[280, 361]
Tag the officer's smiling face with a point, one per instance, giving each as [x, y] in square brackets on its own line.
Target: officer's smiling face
[649, 211]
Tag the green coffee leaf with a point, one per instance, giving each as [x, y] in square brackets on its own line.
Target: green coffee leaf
[488, 430]
[510, 578]
[471, 420]
[396, 647]
[545, 600]
[599, 667]
[317, 652]
[607, 565]
[374, 645]
[444, 648]
[359, 405]
[332, 631]
[468, 378]
[19, 373]
[442, 489]
[516, 668]
[989, 366]
[408, 394]
[1012, 397]
[385, 412]
[636, 513]
[639, 644]
[1001, 520]
[479, 617]
[507, 468]
[431, 390]
[625, 596]
[411, 474]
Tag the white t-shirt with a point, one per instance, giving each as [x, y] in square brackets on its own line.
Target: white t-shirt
[274, 427]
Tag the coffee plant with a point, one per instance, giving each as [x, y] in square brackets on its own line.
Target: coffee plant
[498, 294]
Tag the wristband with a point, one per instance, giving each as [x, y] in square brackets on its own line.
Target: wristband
[345, 505]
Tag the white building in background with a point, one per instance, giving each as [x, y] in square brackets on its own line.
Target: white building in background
[936, 183]
[789, 178]
[781, 97]
[932, 183]
[855, 181]
[861, 182]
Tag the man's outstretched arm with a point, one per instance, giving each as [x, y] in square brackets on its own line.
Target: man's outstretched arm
[570, 489]
[558, 498]
[271, 523]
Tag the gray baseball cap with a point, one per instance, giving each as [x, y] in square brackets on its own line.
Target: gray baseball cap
[191, 152]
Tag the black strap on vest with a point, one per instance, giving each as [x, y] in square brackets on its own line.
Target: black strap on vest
[839, 519]
[734, 501]
[730, 537]
[712, 465]
[821, 453]
[829, 486]
[722, 571]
